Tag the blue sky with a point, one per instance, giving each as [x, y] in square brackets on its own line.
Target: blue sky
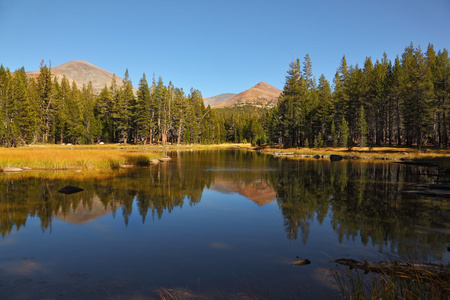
[216, 46]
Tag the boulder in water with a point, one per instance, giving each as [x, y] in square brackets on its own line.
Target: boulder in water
[335, 157]
[70, 190]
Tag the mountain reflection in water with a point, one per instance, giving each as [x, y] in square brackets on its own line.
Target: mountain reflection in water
[357, 202]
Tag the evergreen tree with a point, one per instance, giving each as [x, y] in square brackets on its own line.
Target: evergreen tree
[145, 112]
[26, 115]
[45, 94]
[417, 94]
[90, 123]
[362, 127]
[344, 133]
[324, 113]
[288, 106]
[123, 109]
[105, 111]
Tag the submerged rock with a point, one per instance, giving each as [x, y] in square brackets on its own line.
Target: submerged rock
[302, 262]
[70, 190]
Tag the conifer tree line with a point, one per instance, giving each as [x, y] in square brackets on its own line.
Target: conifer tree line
[405, 102]
[45, 110]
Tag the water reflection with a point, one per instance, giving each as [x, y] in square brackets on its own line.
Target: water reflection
[359, 200]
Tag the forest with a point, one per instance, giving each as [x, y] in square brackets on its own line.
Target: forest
[404, 102]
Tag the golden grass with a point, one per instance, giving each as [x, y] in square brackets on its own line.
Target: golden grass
[375, 153]
[58, 157]
[111, 156]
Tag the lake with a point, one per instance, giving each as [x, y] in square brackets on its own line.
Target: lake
[220, 224]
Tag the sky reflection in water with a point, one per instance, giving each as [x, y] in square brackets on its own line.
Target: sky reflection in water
[212, 223]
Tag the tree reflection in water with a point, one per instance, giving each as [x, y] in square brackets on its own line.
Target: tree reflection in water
[361, 200]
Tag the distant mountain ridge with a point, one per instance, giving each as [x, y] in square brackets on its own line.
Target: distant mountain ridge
[260, 95]
[82, 72]
[214, 99]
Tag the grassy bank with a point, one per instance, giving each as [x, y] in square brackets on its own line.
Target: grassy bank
[56, 157]
[98, 157]
[111, 156]
[366, 153]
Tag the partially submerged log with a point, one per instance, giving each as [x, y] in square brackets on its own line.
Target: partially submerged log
[397, 268]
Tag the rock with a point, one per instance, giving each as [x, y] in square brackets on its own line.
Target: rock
[164, 159]
[12, 169]
[70, 190]
[335, 157]
[154, 161]
[317, 156]
[301, 262]
[126, 166]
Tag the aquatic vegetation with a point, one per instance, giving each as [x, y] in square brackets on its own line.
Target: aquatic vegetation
[394, 281]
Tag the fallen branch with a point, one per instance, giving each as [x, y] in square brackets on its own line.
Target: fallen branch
[397, 268]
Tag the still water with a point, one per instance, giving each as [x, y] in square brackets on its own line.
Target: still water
[213, 224]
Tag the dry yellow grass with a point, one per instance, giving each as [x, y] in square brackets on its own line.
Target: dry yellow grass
[105, 157]
[69, 157]
[390, 153]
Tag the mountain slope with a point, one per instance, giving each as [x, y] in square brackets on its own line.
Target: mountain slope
[214, 99]
[261, 95]
[82, 72]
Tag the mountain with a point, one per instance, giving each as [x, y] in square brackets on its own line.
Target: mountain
[82, 72]
[82, 214]
[259, 192]
[218, 98]
[261, 95]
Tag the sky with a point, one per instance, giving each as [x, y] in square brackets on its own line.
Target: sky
[216, 46]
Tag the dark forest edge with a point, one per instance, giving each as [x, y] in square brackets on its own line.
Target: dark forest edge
[400, 103]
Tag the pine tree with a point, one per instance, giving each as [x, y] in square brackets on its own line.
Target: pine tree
[123, 109]
[25, 114]
[145, 111]
[8, 131]
[439, 68]
[90, 123]
[344, 133]
[324, 113]
[45, 94]
[334, 136]
[105, 110]
[288, 105]
[417, 94]
[362, 127]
